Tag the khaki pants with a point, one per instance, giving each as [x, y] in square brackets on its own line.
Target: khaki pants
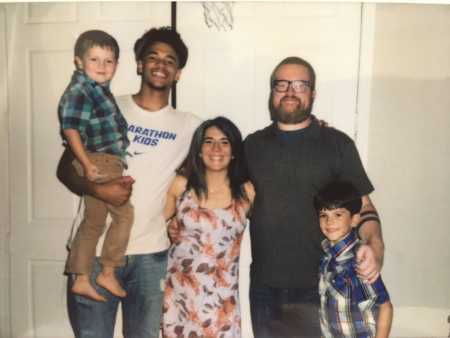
[83, 248]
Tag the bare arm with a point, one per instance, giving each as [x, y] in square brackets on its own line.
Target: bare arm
[76, 145]
[384, 320]
[250, 192]
[370, 231]
[175, 190]
[370, 256]
[115, 192]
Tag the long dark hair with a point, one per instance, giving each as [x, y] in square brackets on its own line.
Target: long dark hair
[193, 167]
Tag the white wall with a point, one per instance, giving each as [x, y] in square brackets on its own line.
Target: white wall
[409, 156]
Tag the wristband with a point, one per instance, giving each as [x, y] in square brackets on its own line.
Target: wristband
[369, 216]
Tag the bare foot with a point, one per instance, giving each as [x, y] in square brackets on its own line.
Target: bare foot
[108, 280]
[82, 286]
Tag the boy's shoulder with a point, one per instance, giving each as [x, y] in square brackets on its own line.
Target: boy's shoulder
[76, 89]
[75, 95]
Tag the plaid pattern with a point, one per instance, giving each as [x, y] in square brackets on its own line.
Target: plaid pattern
[348, 306]
[91, 109]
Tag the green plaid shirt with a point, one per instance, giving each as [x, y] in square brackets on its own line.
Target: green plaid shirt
[91, 109]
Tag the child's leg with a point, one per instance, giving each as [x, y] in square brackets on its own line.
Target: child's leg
[384, 320]
[114, 247]
[116, 238]
[82, 286]
[89, 318]
[82, 251]
[107, 279]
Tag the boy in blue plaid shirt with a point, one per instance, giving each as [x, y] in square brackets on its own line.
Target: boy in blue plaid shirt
[349, 307]
[96, 132]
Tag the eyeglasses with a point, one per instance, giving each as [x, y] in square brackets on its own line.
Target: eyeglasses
[298, 86]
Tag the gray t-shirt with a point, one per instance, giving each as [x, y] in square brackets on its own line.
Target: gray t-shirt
[287, 170]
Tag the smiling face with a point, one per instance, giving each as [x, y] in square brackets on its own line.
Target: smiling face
[336, 223]
[159, 68]
[98, 63]
[291, 107]
[216, 151]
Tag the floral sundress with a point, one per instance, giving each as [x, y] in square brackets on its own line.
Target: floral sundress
[201, 297]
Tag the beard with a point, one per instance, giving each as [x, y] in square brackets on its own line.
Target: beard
[279, 114]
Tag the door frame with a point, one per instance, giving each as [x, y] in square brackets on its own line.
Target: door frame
[365, 75]
[5, 224]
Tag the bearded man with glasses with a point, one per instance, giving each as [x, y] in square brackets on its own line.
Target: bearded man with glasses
[289, 162]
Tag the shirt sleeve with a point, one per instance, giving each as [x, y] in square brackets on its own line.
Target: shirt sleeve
[379, 290]
[75, 110]
[247, 157]
[351, 168]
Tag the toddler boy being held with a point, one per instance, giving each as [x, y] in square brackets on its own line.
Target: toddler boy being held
[349, 307]
[95, 130]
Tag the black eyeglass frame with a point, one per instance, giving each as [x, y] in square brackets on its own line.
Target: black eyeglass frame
[301, 87]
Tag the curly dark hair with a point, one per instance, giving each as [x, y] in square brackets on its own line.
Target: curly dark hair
[162, 34]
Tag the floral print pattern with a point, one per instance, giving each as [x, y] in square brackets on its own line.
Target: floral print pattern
[201, 297]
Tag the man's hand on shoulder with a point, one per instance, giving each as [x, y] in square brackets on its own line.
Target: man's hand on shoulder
[370, 255]
[116, 192]
[368, 268]
[323, 123]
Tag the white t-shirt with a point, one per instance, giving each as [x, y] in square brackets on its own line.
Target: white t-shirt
[159, 142]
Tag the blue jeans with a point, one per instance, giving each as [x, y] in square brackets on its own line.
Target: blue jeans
[284, 313]
[141, 308]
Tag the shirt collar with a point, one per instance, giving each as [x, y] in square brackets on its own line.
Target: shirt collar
[80, 77]
[312, 130]
[344, 245]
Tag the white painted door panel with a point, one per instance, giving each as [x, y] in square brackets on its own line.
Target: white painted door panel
[227, 73]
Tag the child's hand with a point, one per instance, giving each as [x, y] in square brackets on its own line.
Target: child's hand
[92, 172]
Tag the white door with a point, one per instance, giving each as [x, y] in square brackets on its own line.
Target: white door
[227, 73]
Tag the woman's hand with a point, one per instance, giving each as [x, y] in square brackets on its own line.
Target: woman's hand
[174, 230]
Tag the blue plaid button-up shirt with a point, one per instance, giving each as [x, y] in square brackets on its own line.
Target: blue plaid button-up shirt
[349, 307]
[91, 109]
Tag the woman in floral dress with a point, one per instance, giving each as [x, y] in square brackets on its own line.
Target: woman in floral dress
[209, 200]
